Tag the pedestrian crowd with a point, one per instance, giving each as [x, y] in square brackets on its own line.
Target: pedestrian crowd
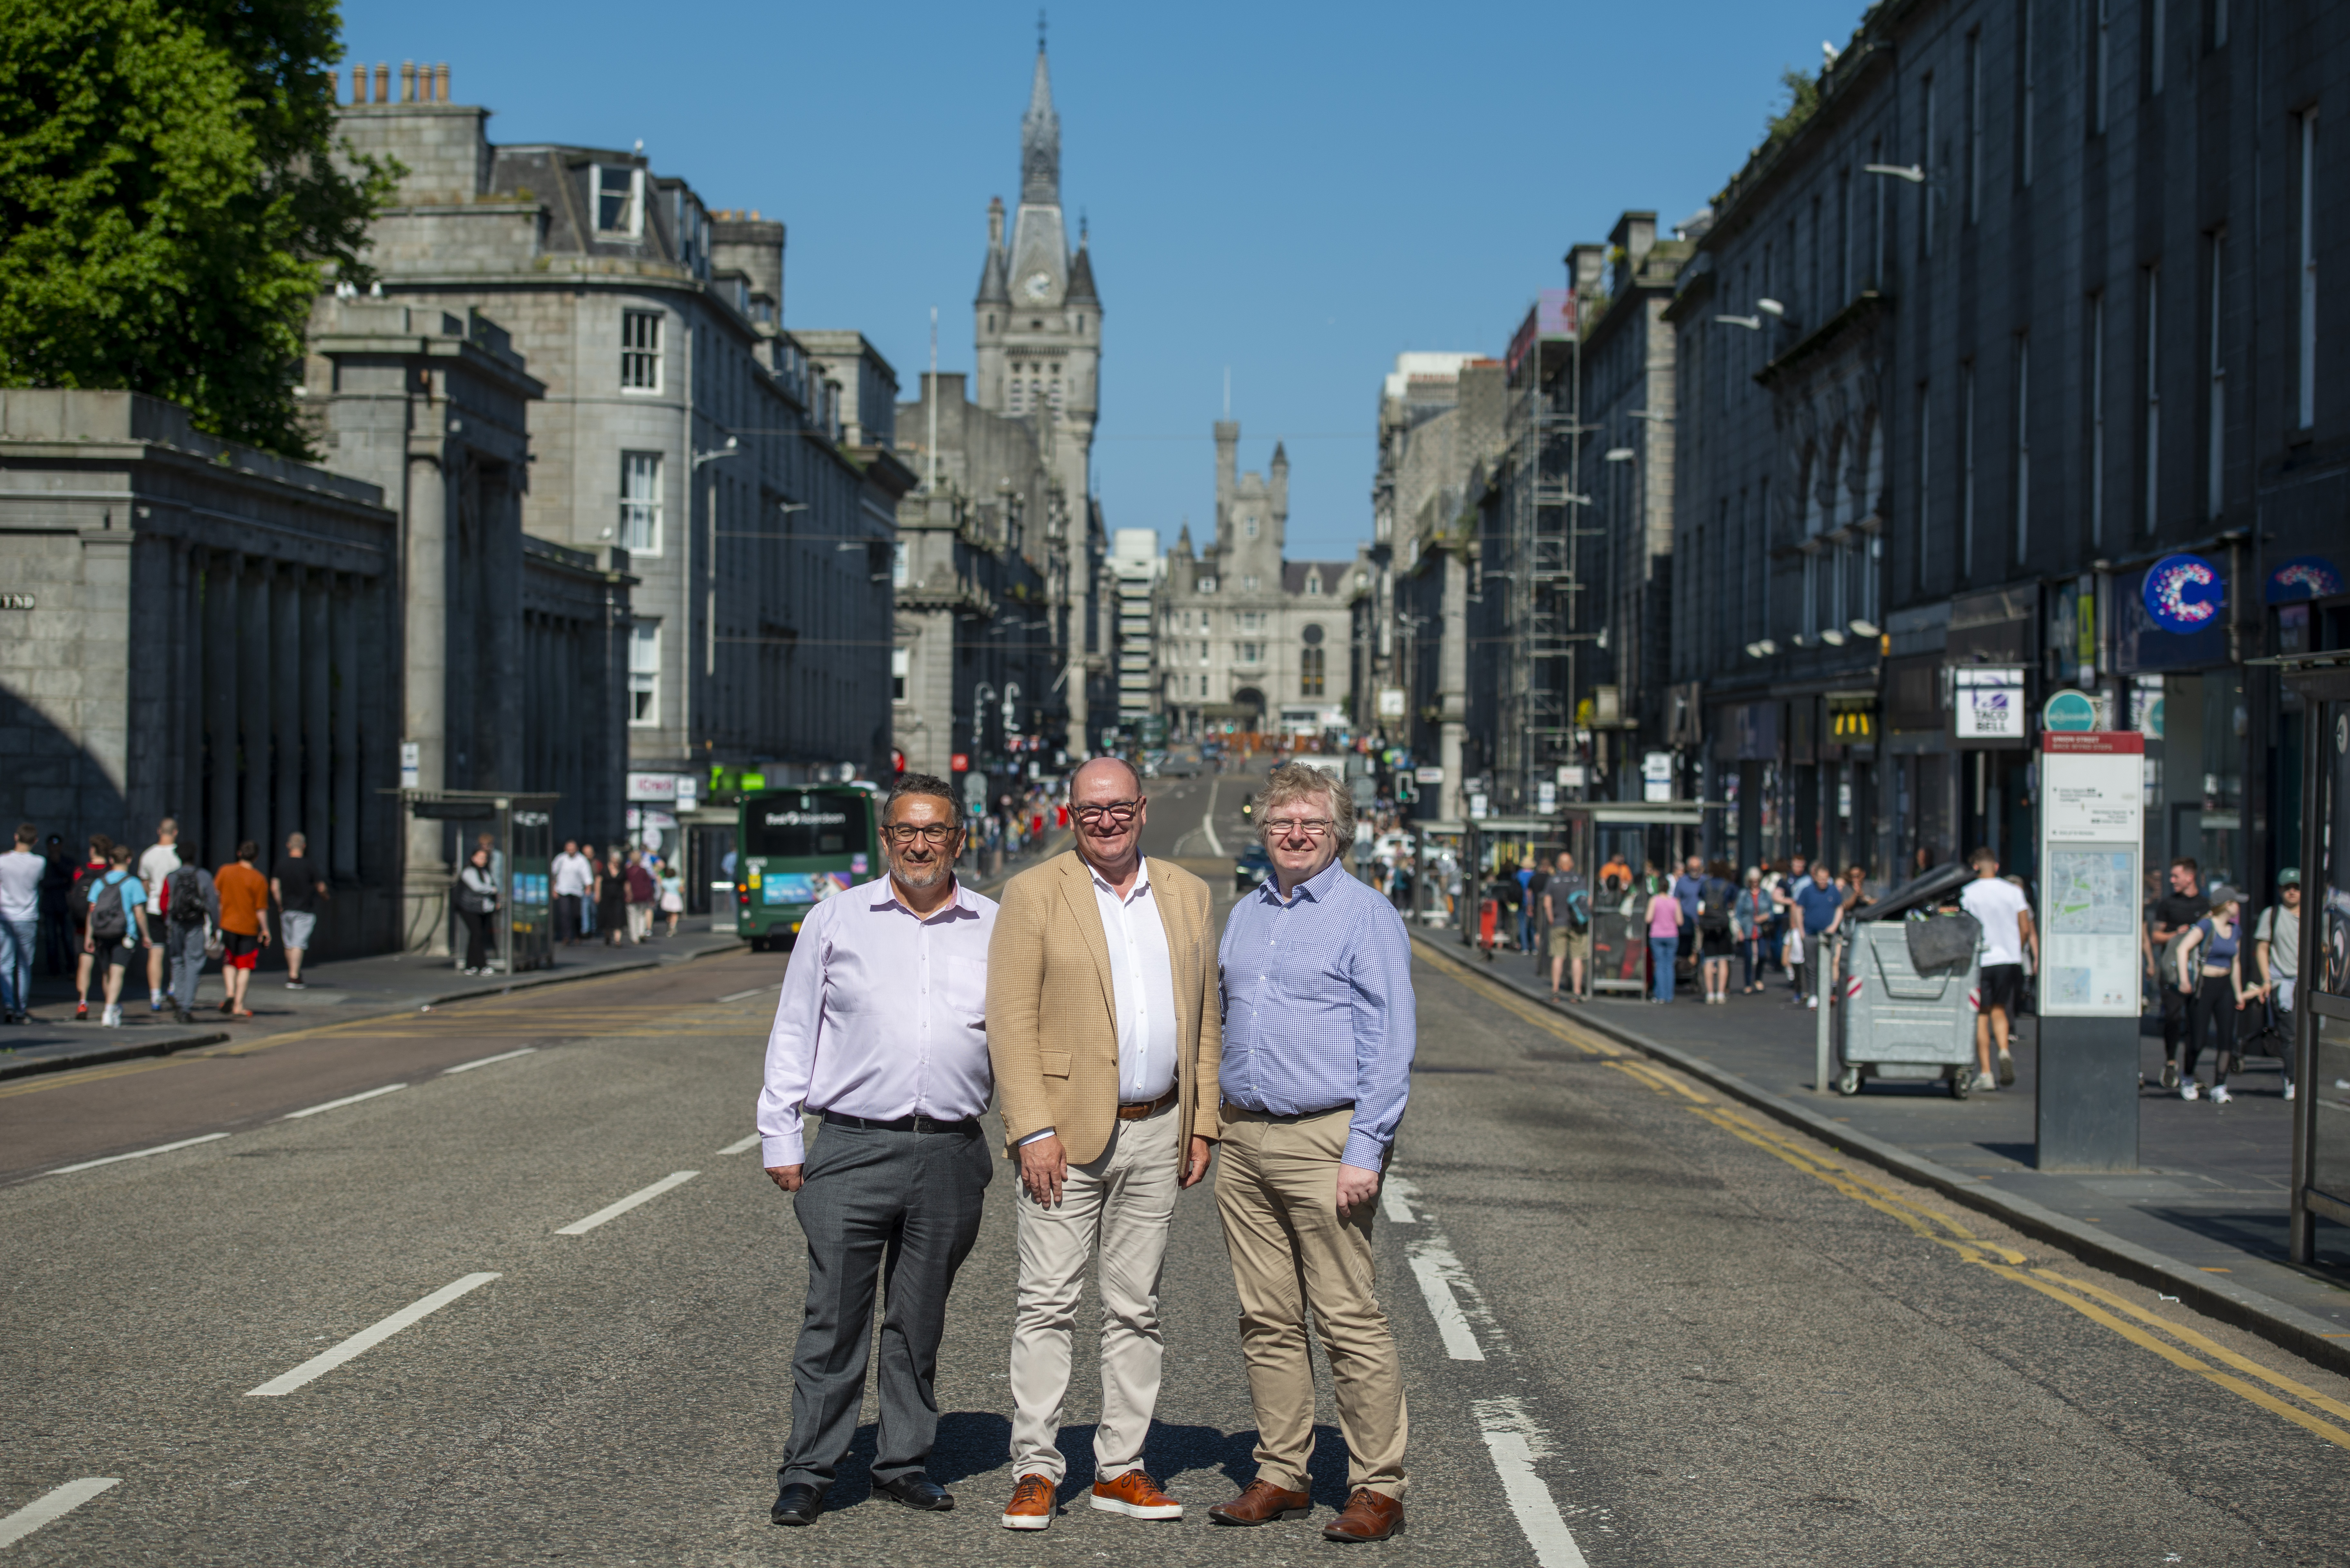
[1121, 1044]
[618, 898]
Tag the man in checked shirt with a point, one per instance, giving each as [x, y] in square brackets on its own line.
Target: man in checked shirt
[1317, 1045]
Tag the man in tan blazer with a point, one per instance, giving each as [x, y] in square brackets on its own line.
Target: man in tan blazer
[1102, 1023]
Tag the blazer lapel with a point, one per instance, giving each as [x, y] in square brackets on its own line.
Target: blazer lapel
[1077, 891]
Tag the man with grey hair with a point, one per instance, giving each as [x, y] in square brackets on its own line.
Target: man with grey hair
[882, 1031]
[1319, 1030]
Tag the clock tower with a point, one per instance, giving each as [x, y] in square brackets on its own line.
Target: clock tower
[1037, 320]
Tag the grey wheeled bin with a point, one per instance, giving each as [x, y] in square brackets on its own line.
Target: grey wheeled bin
[1901, 1020]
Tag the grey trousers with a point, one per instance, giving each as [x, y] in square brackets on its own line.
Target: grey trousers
[183, 947]
[903, 1208]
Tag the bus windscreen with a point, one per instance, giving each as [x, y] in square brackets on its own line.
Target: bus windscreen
[802, 827]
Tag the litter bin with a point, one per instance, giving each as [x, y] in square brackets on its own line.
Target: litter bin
[1902, 1017]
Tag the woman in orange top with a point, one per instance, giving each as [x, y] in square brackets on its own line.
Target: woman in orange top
[244, 924]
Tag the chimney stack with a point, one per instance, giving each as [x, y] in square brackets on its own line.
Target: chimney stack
[358, 84]
[382, 82]
[407, 81]
[441, 82]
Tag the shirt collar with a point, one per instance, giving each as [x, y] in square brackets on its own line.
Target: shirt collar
[1317, 887]
[1102, 884]
[884, 895]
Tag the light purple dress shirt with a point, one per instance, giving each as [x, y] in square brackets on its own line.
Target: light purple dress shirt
[883, 1014]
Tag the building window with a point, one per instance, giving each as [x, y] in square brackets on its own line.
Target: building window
[641, 351]
[1926, 161]
[1251, 652]
[2152, 370]
[2022, 446]
[2024, 98]
[644, 674]
[2216, 388]
[640, 503]
[1918, 532]
[2219, 23]
[1974, 127]
[1313, 584]
[1309, 671]
[619, 200]
[1248, 585]
[2096, 377]
[902, 663]
[901, 574]
[1207, 585]
[2308, 218]
[2101, 56]
[2150, 46]
[1248, 527]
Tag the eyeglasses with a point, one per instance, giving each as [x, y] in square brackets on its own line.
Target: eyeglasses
[1118, 812]
[928, 832]
[1311, 826]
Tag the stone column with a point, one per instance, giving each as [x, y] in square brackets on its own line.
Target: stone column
[286, 711]
[348, 595]
[222, 572]
[318, 740]
[425, 873]
[1453, 682]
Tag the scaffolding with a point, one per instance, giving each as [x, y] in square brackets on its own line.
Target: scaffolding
[1540, 573]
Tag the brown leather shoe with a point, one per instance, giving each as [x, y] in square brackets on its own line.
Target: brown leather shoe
[1368, 1516]
[1262, 1503]
[1030, 1507]
[1137, 1496]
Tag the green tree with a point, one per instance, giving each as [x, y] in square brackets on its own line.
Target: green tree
[169, 203]
[1802, 100]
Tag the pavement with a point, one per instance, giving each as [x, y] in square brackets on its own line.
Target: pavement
[503, 1282]
[2211, 1195]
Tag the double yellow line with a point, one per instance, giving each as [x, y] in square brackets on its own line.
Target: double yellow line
[2092, 1301]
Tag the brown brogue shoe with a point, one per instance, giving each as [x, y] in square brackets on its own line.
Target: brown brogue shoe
[1032, 1503]
[1137, 1496]
[1262, 1503]
[1368, 1516]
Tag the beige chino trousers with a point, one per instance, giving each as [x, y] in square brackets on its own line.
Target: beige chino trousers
[1277, 1191]
[1119, 1205]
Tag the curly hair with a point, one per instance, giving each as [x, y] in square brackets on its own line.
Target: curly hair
[1297, 781]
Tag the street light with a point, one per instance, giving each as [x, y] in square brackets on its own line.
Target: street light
[1911, 172]
[1764, 649]
[1752, 323]
[1619, 454]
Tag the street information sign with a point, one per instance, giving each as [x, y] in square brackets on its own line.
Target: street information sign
[2092, 831]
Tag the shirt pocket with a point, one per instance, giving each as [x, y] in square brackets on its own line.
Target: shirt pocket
[966, 991]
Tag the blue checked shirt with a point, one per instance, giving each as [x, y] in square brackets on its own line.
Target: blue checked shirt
[1318, 1007]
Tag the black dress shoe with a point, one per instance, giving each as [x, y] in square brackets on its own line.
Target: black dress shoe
[916, 1491]
[797, 1502]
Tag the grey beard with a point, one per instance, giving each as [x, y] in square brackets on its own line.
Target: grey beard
[940, 869]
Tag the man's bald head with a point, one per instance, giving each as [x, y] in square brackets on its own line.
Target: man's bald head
[1106, 759]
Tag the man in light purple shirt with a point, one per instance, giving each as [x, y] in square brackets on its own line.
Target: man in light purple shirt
[881, 1030]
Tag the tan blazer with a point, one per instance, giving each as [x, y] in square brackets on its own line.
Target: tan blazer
[1052, 1025]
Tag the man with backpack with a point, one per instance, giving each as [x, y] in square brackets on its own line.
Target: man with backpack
[115, 930]
[190, 912]
[1715, 897]
[78, 891]
[1567, 906]
[2174, 914]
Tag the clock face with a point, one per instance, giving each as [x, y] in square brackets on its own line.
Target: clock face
[1039, 285]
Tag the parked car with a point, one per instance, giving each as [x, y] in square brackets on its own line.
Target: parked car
[1181, 763]
[1250, 869]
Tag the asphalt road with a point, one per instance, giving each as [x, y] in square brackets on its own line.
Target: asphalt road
[1639, 1325]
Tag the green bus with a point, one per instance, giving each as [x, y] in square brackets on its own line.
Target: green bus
[794, 848]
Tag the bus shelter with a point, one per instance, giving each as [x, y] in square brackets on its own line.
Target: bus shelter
[2321, 1014]
[522, 852]
[1439, 858]
[1494, 847]
[1601, 833]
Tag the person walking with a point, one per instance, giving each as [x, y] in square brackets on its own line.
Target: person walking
[1749, 914]
[2276, 948]
[78, 891]
[1320, 1027]
[672, 894]
[881, 1033]
[574, 877]
[1715, 934]
[1815, 910]
[160, 859]
[59, 943]
[191, 914]
[22, 871]
[1689, 887]
[244, 924]
[2005, 916]
[643, 891]
[1103, 1025]
[115, 930]
[297, 885]
[1566, 905]
[1664, 920]
[477, 905]
[1782, 894]
[612, 899]
[2211, 970]
[2174, 913]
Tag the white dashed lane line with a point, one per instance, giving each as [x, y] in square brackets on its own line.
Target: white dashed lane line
[485, 1061]
[740, 1144]
[338, 1105]
[614, 1210]
[134, 1154]
[369, 1337]
[1515, 1442]
[52, 1505]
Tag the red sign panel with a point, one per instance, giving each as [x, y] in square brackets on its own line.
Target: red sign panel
[960, 763]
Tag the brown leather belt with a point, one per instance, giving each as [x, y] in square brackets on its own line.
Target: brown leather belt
[1135, 1113]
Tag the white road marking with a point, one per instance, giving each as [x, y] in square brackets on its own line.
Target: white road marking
[1435, 1266]
[53, 1504]
[135, 1154]
[745, 995]
[338, 1105]
[740, 1144]
[1396, 1194]
[485, 1061]
[368, 1338]
[1208, 823]
[614, 1210]
[1515, 1442]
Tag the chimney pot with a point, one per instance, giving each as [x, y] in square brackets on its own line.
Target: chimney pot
[358, 84]
[441, 82]
[407, 81]
[382, 82]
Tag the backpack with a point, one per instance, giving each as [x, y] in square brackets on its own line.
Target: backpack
[183, 897]
[109, 918]
[1713, 902]
[1578, 909]
[77, 896]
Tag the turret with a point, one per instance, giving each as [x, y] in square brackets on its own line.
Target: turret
[1280, 489]
[1228, 442]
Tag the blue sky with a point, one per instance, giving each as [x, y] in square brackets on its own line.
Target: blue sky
[1295, 192]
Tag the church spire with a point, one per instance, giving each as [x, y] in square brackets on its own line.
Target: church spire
[1040, 141]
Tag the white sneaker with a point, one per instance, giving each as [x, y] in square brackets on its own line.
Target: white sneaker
[2190, 1090]
[2220, 1096]
[1985, 1083]
[1813, 1002]
[2288, 1091]
[111, 1017]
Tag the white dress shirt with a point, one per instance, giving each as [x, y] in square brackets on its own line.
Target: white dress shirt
[574, 875]
[883, 1014]
[1142, 986]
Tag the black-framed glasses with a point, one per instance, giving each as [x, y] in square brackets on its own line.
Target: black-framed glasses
[1311, 826]
[928, 832]
[1115, 811]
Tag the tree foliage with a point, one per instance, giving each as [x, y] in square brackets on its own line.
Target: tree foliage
[169, 206]
[1802, 100]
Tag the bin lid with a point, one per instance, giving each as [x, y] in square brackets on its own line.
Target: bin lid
[1918, 893]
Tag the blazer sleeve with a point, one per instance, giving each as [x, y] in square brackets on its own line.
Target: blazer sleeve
[1207, 1114]
[1015, 965]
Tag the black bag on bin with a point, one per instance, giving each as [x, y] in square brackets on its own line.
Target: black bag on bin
[1941, 941]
